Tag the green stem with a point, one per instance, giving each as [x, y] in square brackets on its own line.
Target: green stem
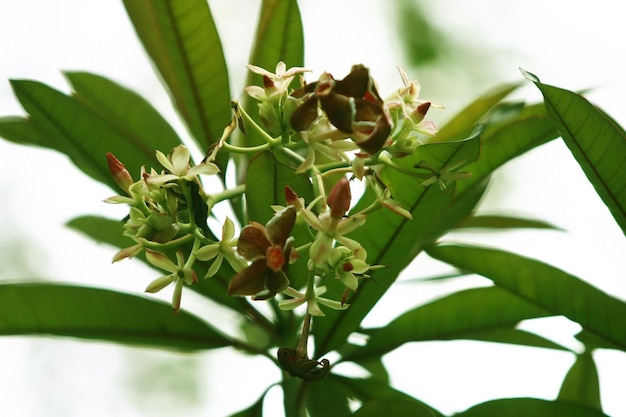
[249, 122]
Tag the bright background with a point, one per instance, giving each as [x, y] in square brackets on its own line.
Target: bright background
[569, 43]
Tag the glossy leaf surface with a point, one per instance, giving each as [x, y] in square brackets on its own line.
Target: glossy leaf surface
[90, 313]
[181, 38]
[597, 142]
[489, 313]
[544, 286]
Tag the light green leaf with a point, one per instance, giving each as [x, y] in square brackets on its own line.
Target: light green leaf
[524, 407]
[504, 222]
[90, 313]
[474, 113]
[581, 384]
[181, 38]
[597, 142]
[125, 111]
[545, 286]
[478, 313]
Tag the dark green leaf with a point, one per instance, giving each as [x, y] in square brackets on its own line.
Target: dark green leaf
[597, 142]
[468, 314]
[544, 286]
[328, 398]
[524, 407]
[581, 384]
[90, 313]
[504, 222]
[404, 408]
[374, 390]
[182, 40]
[125, 111]
[62, 123]
[392, 240]
[473, 114]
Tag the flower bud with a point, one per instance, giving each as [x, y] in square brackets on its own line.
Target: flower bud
[120, 175]
[339, 198]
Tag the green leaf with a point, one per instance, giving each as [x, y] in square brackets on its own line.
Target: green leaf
[90, 313]
[125, 111]
[504, 222]
[266, 179]
[182, 40]
[581, 384]
[544, 286]
[474, 113]
[468, 314]
[392, 240]
[110, 232]
[367, 390]
[597, 142]
[524, 407]
[63, 123]
[279, 37]
[328, 398]
[402, 408]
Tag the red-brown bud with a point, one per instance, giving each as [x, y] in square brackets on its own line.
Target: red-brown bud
[120, 175]
[339, 198]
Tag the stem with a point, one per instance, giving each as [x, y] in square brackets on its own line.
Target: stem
[240, 112]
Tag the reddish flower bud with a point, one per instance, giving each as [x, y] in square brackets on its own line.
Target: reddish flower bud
[339, 198]
[120, 175]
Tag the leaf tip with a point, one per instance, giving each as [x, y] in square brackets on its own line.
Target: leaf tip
[529, 75]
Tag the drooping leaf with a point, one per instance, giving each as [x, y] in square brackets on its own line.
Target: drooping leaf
[63, 123]
[581, 384]
[597, 142]
[545, 286]
[392, 240]
[489, 313]
[504, 222]
[474, 113]
[99, 314]
[524, 407]
[181, 39]
[125, 111]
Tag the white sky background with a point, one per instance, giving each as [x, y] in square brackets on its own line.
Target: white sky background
[572, 44]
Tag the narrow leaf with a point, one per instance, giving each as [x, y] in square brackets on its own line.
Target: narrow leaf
[581, 384]
[90, 313]
[545, 286]
[597, 142]
[182, 40]
[474, 113]
[62, 123]
[328, 399]
[504, 222]
[392, 240]
[125, 111]
[468, 314]
[524, 407]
